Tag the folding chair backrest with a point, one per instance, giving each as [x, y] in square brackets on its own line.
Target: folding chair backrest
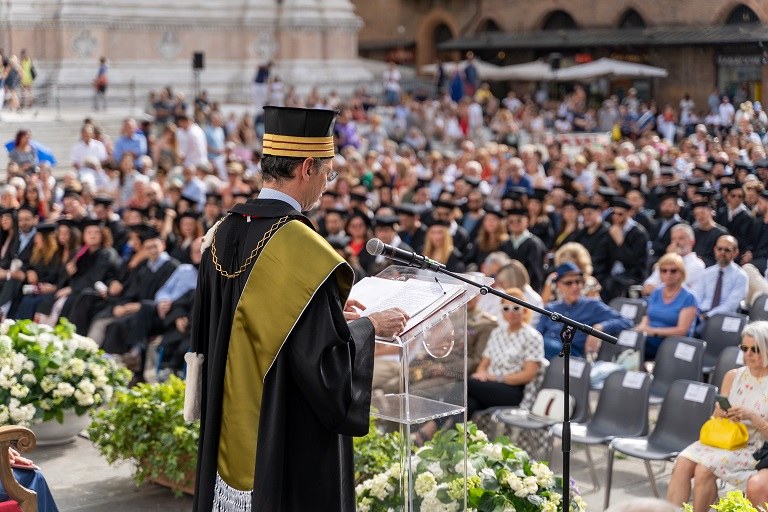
[687, 405]
[759, 308]
[634, 309]
[622, 409]
[628, 339]
[678, 357]
[730, 358]
[721, 330]
[578, 382]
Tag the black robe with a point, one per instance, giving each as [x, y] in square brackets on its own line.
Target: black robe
[596, 244]
[740, 226]
[416, 239]
[705, 242]
[315, 395]
[531, 253]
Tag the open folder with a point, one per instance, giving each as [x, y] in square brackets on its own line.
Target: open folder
[418, 298]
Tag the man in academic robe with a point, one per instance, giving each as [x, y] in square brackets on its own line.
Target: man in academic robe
[285, 380]
[525, 247]
[594, 236]
[412, 231]
[627, 251]
[706, 230]
[384, 230]
[735, 216]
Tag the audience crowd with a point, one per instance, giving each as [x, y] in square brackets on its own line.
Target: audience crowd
[678, 214]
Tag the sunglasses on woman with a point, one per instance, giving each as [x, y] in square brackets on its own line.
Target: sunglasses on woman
[747, 348]
[506, 308]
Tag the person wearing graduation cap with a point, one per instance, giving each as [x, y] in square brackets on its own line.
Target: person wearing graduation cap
[668, 217]
[43, 274]
[444, 213]
[286, 380]
[412, 231]
[627, 252]
[525, 247]
[734, 216]
[706, 230]
[211, 210]
[385, 229]
[185, 231]
[104, 211]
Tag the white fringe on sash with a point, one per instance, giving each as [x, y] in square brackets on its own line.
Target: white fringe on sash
[229, 499]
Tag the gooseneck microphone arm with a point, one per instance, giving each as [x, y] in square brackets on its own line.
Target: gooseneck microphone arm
[376, 247]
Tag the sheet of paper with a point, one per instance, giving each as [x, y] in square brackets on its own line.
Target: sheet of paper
[696, 393]
[627, 338]
[628, 311]
[685, 352]
[731, 324]
[576, 369]
[633, 380]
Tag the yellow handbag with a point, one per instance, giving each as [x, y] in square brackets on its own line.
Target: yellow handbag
[724, 433]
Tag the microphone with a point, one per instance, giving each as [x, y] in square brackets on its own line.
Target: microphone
[378, 248]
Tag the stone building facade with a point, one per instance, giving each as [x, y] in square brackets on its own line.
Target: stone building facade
[704, 44]
[150, 44]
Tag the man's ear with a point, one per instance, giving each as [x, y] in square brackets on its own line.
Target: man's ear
[306, 166]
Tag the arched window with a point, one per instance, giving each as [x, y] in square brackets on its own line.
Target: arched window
[558, 20]
[488, 26]
[742, 14]
[631, 19]
[442, 34]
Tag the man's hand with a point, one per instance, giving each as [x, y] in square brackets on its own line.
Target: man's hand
[163, 307]
[388, 323]
[482, 376]
[617, 234]
[352, 310]
[17, 460]
[746, 257]
[115, 288]
[64, 292]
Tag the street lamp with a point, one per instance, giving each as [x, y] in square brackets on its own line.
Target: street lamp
[400, 43]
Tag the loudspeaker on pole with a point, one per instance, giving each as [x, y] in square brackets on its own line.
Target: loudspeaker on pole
[198, 60]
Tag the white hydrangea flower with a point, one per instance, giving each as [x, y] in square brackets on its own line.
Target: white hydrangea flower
[479, 436]
[364, 505]
[435, 469]
[85, 343]
[29, 379]
[425, 484]
[27, 337]
[6, 344]
[44, 339]
[7, 378]
[5, 325]
[64, 390]
[21, 414]
[4, 415]
[394, 471]
[487, 474]
[48, 383]
[380, 486]
[548, 506]
[84, 399]
[86, 386]
[19, 390]
[514, 482]
[77, 366]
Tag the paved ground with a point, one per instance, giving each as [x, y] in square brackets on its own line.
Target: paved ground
[81, 481]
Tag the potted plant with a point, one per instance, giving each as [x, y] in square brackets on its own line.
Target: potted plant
[51, 373]
[500, 476]
[146, 425]
[733, 501]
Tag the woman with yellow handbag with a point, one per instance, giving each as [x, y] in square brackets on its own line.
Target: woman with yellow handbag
[731, 459]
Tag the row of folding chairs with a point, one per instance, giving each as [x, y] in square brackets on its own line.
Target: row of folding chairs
[623, 405]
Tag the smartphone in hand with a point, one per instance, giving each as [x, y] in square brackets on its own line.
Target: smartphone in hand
[723, 402]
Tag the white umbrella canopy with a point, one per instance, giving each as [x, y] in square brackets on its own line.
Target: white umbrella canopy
[610, 68]
[527, 72]
[485, 70]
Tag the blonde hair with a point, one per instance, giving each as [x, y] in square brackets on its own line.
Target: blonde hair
[489, 242]
[675, 259]
[575, 253]
[758, 331]
[443, 252]
[518, 293]
[513, 275]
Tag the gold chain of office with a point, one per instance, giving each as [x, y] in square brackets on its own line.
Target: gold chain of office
[254, 252]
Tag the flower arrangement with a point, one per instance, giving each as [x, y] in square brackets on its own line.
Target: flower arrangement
[733, 501]
[45, 371]
[146, 425]
[500, 477]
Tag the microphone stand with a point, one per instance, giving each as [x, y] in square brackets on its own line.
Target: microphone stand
[569, 329]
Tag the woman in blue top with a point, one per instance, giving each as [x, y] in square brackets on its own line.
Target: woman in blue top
[672, 308]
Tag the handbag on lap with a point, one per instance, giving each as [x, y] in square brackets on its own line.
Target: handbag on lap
[724, 433]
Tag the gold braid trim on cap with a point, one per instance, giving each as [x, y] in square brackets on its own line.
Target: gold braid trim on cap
[287, 145]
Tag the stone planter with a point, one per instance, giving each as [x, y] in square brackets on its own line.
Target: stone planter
[51, 432]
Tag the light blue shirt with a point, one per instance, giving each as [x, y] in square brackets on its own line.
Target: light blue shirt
[136, 144]
[270, 193]
[734, 289]
[183, 279]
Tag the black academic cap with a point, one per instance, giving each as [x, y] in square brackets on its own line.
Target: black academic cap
[668, 194]
[339, 242]
[386, 221]
[516, 193]
[407, 209]
[625, 181]
[353, 196]
[213, 198]
[705, 167]
[621, 202]
[439, 222]
[103, 200]
[331, 193]
[492, 209]
[609, 168]
[587, 206]
[762, 163]
[763, 194]
[569, 175]
[440, 203]
[517, 211]
[191, 200]
[697, 204]
[191, 214]
[70, 192]
[695, 181]
[741, 164]
[731, 186]
[538, 193]
[340, 211]
[298, 132]
[91, 222]
[8, 211]
[149, 234]
[607, 192]
[706, 191]
[46, 227]
[30, 209]
[71, 223]
[471, 181]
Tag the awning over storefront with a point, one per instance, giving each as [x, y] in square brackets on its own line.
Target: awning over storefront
[580, 38]
[609, 68]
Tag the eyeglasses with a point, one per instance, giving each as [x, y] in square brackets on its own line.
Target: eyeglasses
[723, 249]
[506, 308]
[572, 282]
[331, 176]
[747, 348]
[668, 270]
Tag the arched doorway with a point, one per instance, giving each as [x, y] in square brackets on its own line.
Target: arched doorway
[631, 19]
[558, 20]
[740, 71]
[742, 14]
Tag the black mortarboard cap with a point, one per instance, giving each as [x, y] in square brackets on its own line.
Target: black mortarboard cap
[517, 211]
[339, 242]
[762, 163]
[30, 209]
[667, 171]
[148, 234]
[697, 204]
[298, 132]
[763, 194]
[705, 167]
[191, 214]
[609, 168]
[213, 198]
[407, 209]
[439, 222]
[587, 206]
[695, 181]
[387, 221]
[516, 193]
[71, 223]
[191, 200]
[331, 193]
[607, 192]
[539, 194]
[91, 222]
[471, 181]
[621, 202]
[70, 192]
[731, 186]
[340, 211]
[103, 200]
[569, 175]
[625, 181]
[741, 164]
[440, 203]
[353, 196]
[492, 209]
[706, 191]
[46, 227]
[8, 211]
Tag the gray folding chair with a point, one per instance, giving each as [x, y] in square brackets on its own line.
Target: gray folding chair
[553, 379]
[627, 339]
[759, 308]
[687, 405]
[678, 357]
[730, 358]
[622, 411]
[634, 309]
[721, 330]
